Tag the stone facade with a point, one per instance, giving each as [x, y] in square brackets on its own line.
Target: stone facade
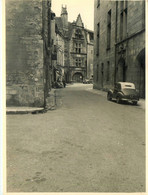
[27, 55]
[119, 49]
[78, 48]
[57, 54]
[90, 48]
[60, 56]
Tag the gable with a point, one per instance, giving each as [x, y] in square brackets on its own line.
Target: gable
[79, 21]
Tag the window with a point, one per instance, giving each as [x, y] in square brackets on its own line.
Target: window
[108, 29]
[108, 71]
[78, 62]
[125, 4]
[78, 34]
[102, 68]
[125, 22]
[97, 72]
[78, 47]
[91, 36]
[98, 3]
[121, 26]
[98, 39]
[123, 19]
[121, 6]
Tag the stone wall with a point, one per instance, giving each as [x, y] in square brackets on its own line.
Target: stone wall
[90, 60]
[135, 17]
[60, 50]
[133, 44]
[24, 53]
[105, 55]
[124, 51]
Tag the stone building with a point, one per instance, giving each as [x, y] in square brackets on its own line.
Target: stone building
[119, 43]
[28, 52]
[58, 64]
[90, 48]
[78, 48]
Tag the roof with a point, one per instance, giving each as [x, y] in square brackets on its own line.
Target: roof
[58, 22]
[79, 21]
[89, 31]
[70, 29]
[127, 85]
[71, 26]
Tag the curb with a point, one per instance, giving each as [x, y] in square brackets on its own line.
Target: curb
[22, 110]
[51, 105]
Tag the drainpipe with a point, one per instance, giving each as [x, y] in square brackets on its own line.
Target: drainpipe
[115, 75]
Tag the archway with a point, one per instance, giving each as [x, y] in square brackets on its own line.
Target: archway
[141, 61]
[77, 77]
[122, 70]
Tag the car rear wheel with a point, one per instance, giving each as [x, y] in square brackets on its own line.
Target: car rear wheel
[118, 99]
[134, 102]
[109, 97]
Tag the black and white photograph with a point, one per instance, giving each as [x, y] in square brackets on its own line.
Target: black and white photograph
[75, 96]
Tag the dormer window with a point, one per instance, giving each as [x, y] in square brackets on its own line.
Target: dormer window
[78, 34]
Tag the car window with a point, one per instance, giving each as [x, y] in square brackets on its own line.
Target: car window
[128, 86]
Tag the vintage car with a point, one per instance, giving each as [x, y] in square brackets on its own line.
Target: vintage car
[124, 91]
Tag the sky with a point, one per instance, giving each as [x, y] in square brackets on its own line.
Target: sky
[74, 7]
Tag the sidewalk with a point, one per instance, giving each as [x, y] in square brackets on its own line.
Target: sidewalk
[34, 110]
[141, 102]
[23, 110]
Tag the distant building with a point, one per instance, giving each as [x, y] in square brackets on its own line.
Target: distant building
[28, 52]
[58, 66]
[78, 48]
[119, 43]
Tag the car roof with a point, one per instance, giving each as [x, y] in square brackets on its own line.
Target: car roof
[127, 84]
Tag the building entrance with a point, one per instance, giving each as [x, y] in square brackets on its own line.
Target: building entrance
[122, 70]
[77, 77]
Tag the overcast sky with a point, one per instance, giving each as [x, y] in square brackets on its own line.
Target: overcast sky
[74, 7]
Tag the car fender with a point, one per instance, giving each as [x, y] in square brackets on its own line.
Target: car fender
[110, 91]
[120, 94]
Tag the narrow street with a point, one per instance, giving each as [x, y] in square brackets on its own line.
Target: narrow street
[88, 144]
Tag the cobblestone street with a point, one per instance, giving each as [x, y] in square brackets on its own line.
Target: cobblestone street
[87, 144]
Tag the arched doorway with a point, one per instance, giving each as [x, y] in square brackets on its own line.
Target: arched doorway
[122, 70]
[77, 77]
[141, 62]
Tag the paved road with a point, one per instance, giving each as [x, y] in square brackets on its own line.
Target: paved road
[87, 144]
